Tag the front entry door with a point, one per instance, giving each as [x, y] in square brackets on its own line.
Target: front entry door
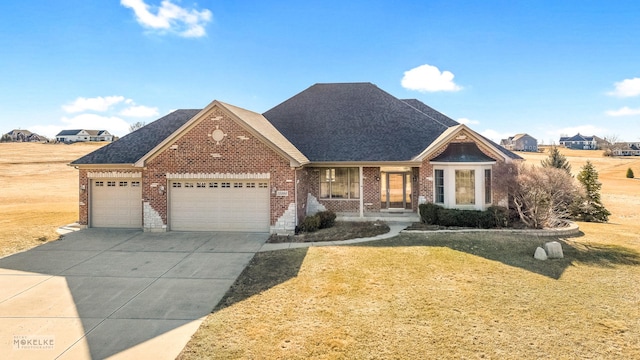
[396, 190]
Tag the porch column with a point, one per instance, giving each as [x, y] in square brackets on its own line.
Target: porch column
[361, 193]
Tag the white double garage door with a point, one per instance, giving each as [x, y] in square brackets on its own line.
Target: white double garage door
[193, 205]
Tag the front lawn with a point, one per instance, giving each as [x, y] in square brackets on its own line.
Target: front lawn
[420, 296]
[435, 296]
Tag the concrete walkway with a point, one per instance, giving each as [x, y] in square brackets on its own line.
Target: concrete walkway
[125, 294]
[395, 229]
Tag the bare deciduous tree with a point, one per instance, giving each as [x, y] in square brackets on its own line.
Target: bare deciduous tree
[541, 196]
[612, 142]
[136, 126]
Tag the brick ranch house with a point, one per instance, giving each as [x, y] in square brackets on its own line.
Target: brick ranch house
[350, 147]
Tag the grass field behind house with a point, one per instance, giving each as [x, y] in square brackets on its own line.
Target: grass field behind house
[39, 192]
[440, 296]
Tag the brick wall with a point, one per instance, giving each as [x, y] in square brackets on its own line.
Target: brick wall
[309, 183]
[371, 194]
[197, 152]
[238, 152]
[371, 190]
[83, 213]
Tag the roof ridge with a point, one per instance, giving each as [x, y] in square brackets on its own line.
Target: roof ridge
[425, 114]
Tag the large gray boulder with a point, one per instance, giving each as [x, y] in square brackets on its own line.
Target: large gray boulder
[554, 250]
[540, 254]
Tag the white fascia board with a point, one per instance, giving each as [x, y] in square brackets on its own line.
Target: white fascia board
[450, 133]
[102, 166]
[463, 163]
[362, 163]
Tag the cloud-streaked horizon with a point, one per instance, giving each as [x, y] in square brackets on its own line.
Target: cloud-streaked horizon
[95, 104]
[98, 113]
[170, 18]
[587, 130]
[139, 111]
[468, 121]
[496, 136]
[115, 125]
[623, 111]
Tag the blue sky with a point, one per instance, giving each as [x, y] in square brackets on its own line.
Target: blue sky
[504, 67]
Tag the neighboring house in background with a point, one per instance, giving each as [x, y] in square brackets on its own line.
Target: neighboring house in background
[19, 135]
[520, 142]
[582, 142]
[351, 148]
[626, 149]
[69, 136]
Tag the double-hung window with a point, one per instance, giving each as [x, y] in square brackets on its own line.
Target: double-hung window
[465, 187]
[439, 177]
[487, 186]
[339, 183]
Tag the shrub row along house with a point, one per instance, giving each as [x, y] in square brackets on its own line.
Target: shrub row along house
[349, 147]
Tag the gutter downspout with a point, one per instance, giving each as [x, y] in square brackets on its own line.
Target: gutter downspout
[295, 190]
[361, 193]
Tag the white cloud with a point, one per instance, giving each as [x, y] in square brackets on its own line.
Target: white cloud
[624, 111]
[139, 111]
[496, 136]
[626, 88]
[428, 78]
[170, 17]
[96, 104]
[468, 121]
[114, 124]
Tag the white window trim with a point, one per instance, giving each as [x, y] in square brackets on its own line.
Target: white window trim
[349, 183]
[449, 170]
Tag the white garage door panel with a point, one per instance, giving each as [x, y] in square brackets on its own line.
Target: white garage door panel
[219, 206]
[116, 203]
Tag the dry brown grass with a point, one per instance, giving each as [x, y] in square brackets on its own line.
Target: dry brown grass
[444, 296]
[441, 296]
[39, 192]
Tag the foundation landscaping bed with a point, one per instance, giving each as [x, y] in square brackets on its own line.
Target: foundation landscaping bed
[342, 230]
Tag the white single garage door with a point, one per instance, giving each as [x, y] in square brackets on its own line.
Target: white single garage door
[226, 205]
[116, 203]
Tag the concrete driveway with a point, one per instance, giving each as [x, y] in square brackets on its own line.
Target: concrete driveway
[101, 293]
